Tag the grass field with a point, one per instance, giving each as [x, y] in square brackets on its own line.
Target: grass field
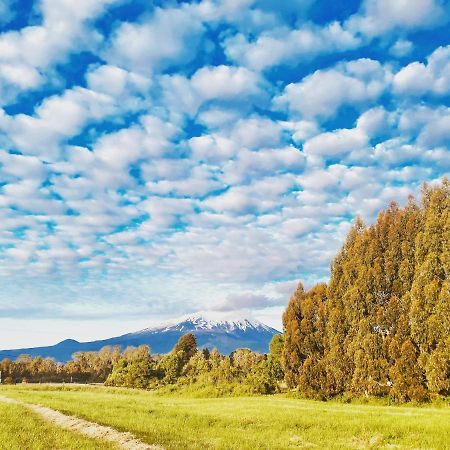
[273, 422]
[24, 430]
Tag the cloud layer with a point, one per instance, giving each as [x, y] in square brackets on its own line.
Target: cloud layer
[155, 160]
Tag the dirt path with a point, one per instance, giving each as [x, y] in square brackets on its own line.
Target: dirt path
[124, 441]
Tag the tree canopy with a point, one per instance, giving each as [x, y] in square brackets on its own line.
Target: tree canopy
[382, 324]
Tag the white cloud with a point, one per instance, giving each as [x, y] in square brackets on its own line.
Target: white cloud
[256, 132]
[27, 54]
[299, 227]
[413, 79]
[169, 37]
[199, 182]
[301, 130]
[20, 166]
[215, 10]
[178, 95]
[325, 91]
[401, 48]
[114, 81]
[218, 117]
[257, 164]
[212, 148]
[283, 45]
[260, 196]
[56, 119]
[412, 119]
[396, 152]
[418, 78]
[426, 124]
[164, 213]
[380, 16]
[375, 121]
[436, 132]
[29, 196]
[118, 150]
[336, 144]
[233, 255]
[245, 300]
[224, 82]
[21, 75]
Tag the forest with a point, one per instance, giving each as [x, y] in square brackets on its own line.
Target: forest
[382, 324]
[380, 327]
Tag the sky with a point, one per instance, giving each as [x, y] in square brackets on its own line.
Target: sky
[163, 157]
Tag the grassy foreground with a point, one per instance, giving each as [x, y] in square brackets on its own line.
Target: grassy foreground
[273, 422]
[22, 429]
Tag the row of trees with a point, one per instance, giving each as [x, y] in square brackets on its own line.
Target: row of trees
[186, 365]
[84, 367]
[382, 324]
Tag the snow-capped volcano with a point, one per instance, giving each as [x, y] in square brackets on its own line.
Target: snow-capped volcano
[207, 321]
[224, 332]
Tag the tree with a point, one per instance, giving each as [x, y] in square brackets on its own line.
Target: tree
[438, 369]
[304, 330]
[265, 376]
[276, 346]
[382, 324]
[407, 377]
[188, 345]
[171, 366]
[292, 357]
[245, 360]
[196, 366]
[430, 298]
[135, 369]
[135, 374]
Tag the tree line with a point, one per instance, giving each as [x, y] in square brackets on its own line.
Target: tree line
[84, 367]
[243, 371]
[381, 326]
[186, 366]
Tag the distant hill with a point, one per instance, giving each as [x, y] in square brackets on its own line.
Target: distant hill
[225, 335]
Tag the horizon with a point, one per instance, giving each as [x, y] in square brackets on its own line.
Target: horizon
[162, 158]
[207, 315]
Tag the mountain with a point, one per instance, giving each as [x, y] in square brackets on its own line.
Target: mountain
[226, 335]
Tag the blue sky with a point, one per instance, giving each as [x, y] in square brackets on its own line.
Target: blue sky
[159, 158]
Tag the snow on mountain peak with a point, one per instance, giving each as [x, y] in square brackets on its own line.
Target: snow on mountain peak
[211, 321]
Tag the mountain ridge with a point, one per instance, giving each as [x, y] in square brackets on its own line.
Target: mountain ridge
[224, 334]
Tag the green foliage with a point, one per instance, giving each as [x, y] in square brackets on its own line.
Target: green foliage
[265, 376]
[135, 369]
[188, 345]
[276, 346]
[381, 326]
[135, 374]
[185, 367]
[171, 365]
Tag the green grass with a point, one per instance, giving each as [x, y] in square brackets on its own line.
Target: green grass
[21, 429]
[272, 422]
